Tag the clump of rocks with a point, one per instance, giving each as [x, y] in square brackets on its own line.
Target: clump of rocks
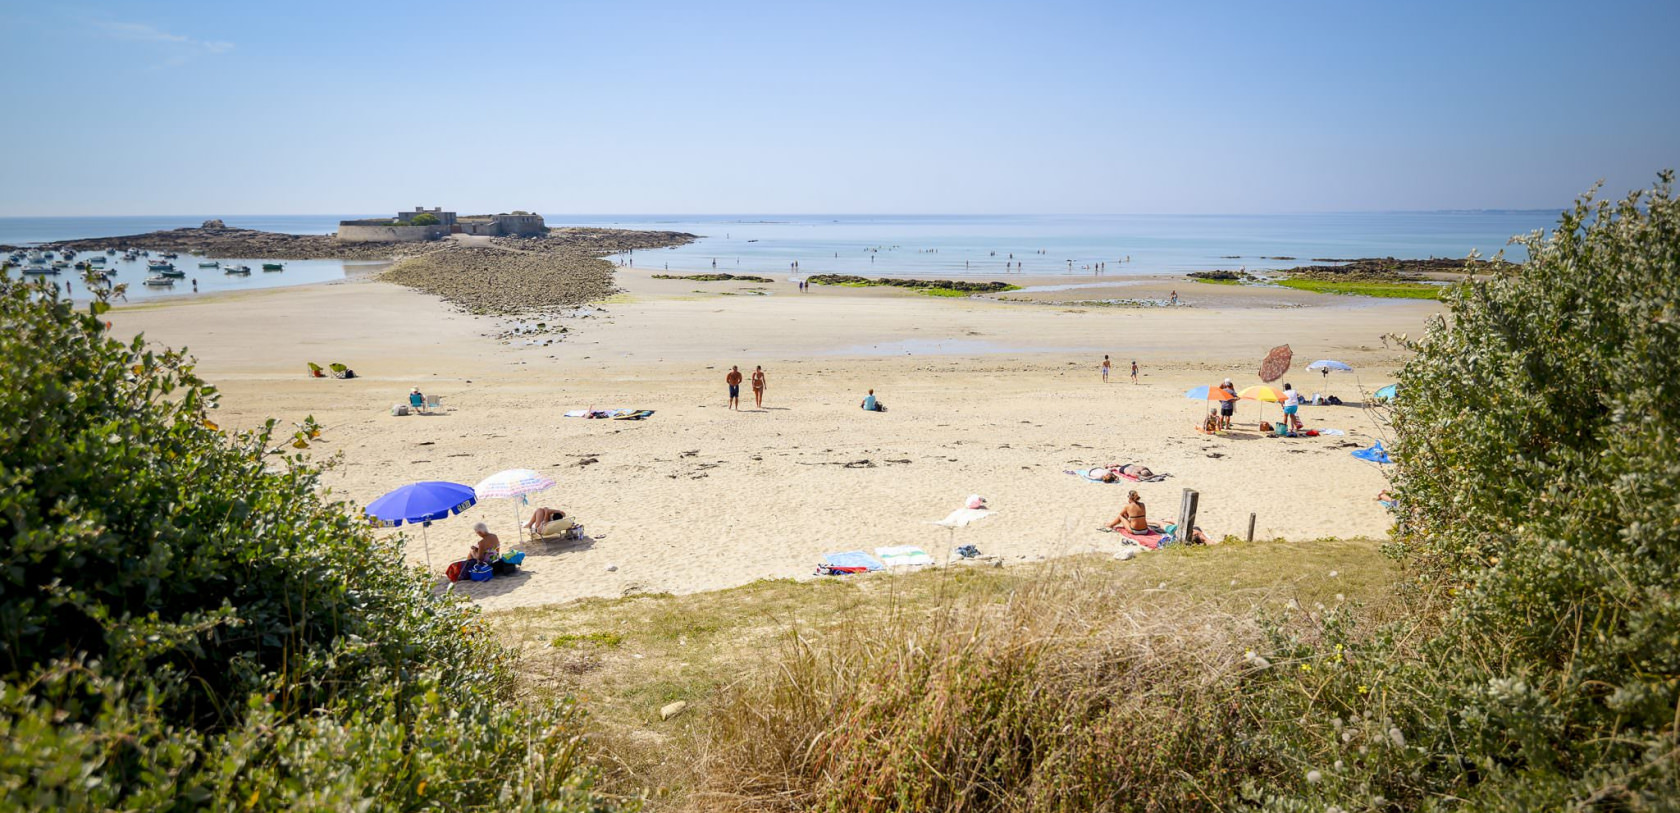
[491, 280]
[715, 277]
[954, 285]
[1223, 276]
[1389, 269]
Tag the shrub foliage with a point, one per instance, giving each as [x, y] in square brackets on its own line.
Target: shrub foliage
[185, 619]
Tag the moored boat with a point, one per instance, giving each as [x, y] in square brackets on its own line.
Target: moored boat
[170, 255]
[172, 272]
[61, 264]
[39, 269]
[210, 264]
[159, 280]
[158, 265]
[237, 269]
[273, 266]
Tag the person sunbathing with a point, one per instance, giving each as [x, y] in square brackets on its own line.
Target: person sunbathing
[543, 516]
[1135, 471]
[1133, 517]
[489, 547]
[1102, 475]
[1210, 424]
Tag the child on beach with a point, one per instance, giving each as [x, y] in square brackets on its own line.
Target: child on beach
[1134, 371]
[1105, 366]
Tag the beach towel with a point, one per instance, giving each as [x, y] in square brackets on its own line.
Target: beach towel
[1085, 474]
[852, 558]
[1375, 454]
[615, 414]
[1151, 539]
[1334, 433]
[903, 555]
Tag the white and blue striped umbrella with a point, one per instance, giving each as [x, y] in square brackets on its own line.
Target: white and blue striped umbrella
[511, 483]
[1327, 364]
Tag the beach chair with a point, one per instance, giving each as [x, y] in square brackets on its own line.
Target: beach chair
[416, 402]
[434, 402]
[315, 370]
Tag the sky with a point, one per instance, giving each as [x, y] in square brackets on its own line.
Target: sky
[858, 107]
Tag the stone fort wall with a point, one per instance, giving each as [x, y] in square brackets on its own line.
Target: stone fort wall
[380, 231]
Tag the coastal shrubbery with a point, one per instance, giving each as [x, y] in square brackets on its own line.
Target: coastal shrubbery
[186, 620]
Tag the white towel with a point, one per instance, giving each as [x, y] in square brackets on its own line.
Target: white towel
[903, 555]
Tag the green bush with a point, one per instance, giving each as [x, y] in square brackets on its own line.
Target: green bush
[424, 219]
[185, 617]
[1539, 503]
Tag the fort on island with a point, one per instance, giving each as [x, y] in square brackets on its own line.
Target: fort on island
[435, 223]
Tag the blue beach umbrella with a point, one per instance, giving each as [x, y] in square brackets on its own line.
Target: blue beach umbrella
[1386, 393]
[422, 503]
[1330, 366]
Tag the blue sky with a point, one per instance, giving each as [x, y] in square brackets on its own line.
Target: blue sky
[855, 107]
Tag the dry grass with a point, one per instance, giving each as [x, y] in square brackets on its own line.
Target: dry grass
[984, 688]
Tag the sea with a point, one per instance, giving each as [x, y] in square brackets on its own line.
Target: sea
[1079, 247]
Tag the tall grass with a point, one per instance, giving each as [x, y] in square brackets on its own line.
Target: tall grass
[1077, 692]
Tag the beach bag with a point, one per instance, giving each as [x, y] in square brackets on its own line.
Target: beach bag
[515, 557]
[480, 572]
[455, 570]
[503, 567]
[399, 409]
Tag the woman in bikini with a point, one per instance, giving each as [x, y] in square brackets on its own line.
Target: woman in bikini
[1133, 517]
[758, 384]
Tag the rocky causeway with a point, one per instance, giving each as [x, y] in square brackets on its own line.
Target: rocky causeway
[499, 276]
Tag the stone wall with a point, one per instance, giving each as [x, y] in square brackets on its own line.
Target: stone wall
[380, 231]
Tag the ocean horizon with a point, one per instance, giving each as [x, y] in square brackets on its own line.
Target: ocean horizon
[938, 246]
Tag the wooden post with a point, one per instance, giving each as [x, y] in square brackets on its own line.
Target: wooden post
[1187, 514]
[1251, 527]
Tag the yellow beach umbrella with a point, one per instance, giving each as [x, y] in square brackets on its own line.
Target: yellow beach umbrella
[1261, 392]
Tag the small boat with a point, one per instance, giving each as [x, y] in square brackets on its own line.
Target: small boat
[237, 269]
[159, 281]
[110, 251]
[61, 264]
[172, 272]
[158, 265]
[82, 265]
[274, 266]
[170, 255]
[210, 264]
[39, 269]
[96, 260]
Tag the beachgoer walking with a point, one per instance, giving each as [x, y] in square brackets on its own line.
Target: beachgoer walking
[1134, 371]
[1291, 405]
[758, 384]
[1105, 366]
[734, 382]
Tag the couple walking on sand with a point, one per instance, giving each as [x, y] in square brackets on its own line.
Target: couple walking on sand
[734, 381]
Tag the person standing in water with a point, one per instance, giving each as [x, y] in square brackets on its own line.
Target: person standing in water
[758, 385]
[1105, 366]
[734, 382]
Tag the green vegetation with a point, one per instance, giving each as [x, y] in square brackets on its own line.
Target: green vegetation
[424, 219]
[610, 640]
[717, 650]
[944, 292]
[190, 623]
[1392, 290]
[1218, 281]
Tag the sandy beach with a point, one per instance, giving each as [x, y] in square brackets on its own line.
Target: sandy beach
[988, 397]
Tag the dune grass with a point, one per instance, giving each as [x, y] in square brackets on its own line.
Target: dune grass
[1389, 290]
[762, 666]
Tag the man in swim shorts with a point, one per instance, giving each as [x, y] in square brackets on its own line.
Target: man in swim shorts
[734, 382]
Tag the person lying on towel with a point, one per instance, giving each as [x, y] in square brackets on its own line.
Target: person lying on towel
[1109, 474]
[1133, 517]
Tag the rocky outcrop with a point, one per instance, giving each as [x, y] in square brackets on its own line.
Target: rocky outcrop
[213, 224]
[714, 277]
[948, 284]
